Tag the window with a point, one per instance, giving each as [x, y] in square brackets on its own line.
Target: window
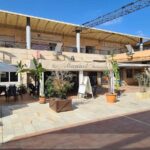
[8, 77]
[52, 46]
[129, 73]
[5, 77]
[13, 77]
[90, 49]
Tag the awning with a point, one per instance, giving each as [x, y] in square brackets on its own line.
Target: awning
[133, 65]
[18, 20]
[7, 67]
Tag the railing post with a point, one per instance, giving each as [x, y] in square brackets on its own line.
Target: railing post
[28, 33]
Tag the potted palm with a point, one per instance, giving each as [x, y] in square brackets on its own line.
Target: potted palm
[58, 86]
[114, 78]
[38, 71]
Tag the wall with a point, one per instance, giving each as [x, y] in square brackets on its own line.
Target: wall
[44, 38]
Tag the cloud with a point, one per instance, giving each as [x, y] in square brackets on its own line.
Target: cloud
[140, 33]
[113, 22]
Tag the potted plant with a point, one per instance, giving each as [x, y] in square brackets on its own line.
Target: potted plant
[114, 78]
[58, 85]
[38, 72]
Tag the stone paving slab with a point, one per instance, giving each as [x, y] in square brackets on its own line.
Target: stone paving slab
[118, 133]
[25, 119]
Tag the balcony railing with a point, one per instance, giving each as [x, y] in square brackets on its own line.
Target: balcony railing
[36, 46]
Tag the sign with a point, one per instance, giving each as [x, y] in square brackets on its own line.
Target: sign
[85, 87]
[73, 65]
[82, 89]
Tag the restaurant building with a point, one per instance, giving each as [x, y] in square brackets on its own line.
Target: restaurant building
[63, 46]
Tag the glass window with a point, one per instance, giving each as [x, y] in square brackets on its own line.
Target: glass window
[13, 77]
[4, 77]
[52, 46]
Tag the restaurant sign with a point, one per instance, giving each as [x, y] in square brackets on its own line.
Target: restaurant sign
[73, 66]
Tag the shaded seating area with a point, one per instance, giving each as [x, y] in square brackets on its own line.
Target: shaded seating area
[11, 91]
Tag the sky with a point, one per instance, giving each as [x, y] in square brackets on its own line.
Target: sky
[81, 11]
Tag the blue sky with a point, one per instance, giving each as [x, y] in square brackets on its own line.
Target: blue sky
[80, 11]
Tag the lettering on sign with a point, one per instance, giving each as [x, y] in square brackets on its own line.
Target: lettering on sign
[74, 66]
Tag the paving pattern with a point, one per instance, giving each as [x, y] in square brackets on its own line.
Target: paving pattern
[90, 120]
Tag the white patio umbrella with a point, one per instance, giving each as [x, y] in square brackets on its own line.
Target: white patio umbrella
[4, 67]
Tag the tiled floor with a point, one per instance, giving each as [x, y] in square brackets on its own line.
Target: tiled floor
[30, 117]
[128, 132]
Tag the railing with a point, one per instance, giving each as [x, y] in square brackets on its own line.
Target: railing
[12, 44]
[36, 46]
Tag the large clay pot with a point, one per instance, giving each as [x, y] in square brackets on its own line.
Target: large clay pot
[111, 97]
[42, 100]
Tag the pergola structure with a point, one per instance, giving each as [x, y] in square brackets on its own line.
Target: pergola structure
[21, 21]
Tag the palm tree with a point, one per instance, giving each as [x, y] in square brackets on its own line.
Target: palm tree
[37, 71]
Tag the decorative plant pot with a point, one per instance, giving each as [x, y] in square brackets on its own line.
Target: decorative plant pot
[60, 105]
[111, 97]
[42, 100]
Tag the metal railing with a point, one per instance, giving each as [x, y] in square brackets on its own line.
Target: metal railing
[37, 46]
[12, 44]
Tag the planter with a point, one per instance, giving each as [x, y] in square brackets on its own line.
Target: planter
[42, 100]
[111, 97]
[60, 105]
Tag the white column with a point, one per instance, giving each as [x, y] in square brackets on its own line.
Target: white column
[99, 80]
[78, 40]
[81, 77]
[78, 51]
[112, 88]
[42, 85]
[28, 34]
[141, 44]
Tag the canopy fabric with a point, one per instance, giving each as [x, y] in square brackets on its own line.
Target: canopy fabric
[56, 27]
[7, 67]
[133, 65]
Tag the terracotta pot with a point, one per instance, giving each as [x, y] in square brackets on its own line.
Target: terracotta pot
[111, 97]
[42, 100]
[106, 78]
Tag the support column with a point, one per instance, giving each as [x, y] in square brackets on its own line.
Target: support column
[78, 40]
[112, 85]
[42, 85]
[99, 80]
[78, 51]
[28, 33]
[141, 44]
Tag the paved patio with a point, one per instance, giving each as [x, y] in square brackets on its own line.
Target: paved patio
[26, 118]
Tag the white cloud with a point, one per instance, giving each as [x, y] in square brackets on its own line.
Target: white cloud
[115, 21]
[140, 33]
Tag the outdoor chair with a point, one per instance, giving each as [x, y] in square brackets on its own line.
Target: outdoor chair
[11, 91]
[2, 89]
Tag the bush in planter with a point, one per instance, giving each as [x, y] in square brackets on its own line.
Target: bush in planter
[22, 88]
[57, 86]
[49, 88]
[143, 80]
